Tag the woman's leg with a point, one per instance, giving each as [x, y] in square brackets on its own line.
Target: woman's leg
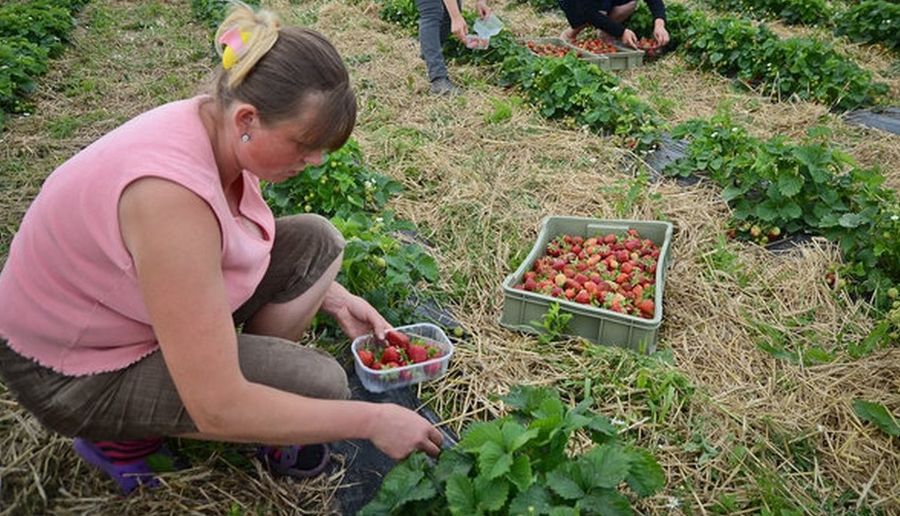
[622, 12]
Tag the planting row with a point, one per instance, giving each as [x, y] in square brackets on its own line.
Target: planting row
[30, 34]
[808, 187]
[869, 21]
[804, 68]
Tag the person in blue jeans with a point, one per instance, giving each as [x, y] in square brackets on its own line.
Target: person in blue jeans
[609, 16]
[437, 20]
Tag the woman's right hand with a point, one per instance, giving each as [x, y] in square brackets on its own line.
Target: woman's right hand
[459, 28]
[398, 432]
[630, 39]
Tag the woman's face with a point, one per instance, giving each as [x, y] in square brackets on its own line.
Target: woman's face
[278, 152]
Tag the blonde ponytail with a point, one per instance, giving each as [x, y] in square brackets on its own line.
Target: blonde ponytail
[258, 31]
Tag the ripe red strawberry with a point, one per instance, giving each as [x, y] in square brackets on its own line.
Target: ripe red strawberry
[390, 365]
[398, 339]
[366, 357]
[376, 366]
[391, 355]
[433, 369]
[583, 297]
[646, 307]
[417, 354]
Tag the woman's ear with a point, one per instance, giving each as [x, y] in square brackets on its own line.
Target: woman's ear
[245, 117]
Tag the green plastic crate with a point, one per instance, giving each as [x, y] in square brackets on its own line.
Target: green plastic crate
[600, 61]
[598, 325]
[625, 59]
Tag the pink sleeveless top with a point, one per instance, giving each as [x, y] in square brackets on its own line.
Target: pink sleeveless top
[69, 297]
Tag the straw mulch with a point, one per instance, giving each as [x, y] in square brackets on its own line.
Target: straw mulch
[737, 423]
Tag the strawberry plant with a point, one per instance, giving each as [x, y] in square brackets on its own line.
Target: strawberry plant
[806, 12]
[340, 185]
[519, 465]
[802, 67]
[41, 22]
[402, 12]
[871, 21]
[379, 266]
[573, 89]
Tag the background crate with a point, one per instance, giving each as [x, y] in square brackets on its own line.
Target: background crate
[599, 60]
[385, 380]
[598, 325]
[625, 58]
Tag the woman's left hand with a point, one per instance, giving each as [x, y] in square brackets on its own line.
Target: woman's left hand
[354, 314]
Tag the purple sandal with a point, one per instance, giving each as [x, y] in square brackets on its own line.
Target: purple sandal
[128, 476]
[295, 461]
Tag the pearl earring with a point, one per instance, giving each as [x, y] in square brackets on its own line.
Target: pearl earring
[245, 138]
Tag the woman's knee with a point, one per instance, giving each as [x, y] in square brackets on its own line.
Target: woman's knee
[622, 12]
[290, 367]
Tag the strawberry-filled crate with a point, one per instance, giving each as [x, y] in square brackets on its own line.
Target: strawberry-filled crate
[608, 274]
[557, 47]
[619, 56]
[410, 354]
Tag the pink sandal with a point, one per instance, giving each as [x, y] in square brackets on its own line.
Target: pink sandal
[295, 461]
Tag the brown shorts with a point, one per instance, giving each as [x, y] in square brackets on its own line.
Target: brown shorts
[141, 401]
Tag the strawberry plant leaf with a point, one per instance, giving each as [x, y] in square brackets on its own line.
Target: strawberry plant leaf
[461, 495]
[520, 473]
[405, 483]
[563, 511]
[789, 185]
[767, 210]
[790, 210]
[480, 433]
[515, 435]
[850, 220]
[452, 462]
[536, 500]
[606, 502]
[877, 414]
[561, 482]
[491, 496]
[645, 476]
[609, 465]
[493, 461]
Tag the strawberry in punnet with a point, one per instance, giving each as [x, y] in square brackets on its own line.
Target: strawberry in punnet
[390, 355]
[397, 339]
[366, 357]
[417, 353]
[583, 297]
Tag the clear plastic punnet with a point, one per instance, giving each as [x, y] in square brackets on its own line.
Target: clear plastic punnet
[388, 379]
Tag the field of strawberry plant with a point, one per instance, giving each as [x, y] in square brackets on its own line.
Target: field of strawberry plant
[775, 387]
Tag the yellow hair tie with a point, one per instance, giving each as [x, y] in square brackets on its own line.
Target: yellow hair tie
[233, 40]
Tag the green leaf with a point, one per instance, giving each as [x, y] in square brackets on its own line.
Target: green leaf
[877, 414]
[480, 433]
[461, 495]
[790, 210]
[732, 192]
[520, 473]
[493, 460]
[563, 511]
[850, 220]
[491, 496]
[767, 211]
[790, 185]
[610, 465]
[536, 500]
[405, 483]
[515, 435]
[606, 502]
[562, 484]
[452, 462]
[645, 476]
